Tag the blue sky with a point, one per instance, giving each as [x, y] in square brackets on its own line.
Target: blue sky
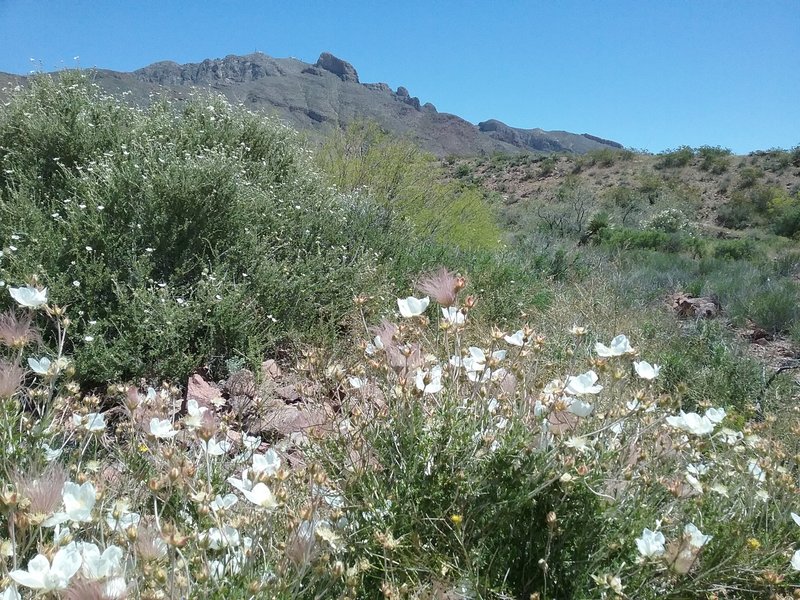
[649, 74]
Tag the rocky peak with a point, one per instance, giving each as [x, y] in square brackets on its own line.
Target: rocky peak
[341, 68]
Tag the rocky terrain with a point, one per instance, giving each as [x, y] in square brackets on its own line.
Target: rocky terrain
[317, 97]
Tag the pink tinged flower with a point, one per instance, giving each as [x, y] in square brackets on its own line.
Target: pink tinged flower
[42, 575]
[583, 384]
[429, 382]
[645, 370]
[261, 496]
[695, 537]
[795, 562]
[453, 315]
[267, 463]
[29, 297]
[79, 501]
[692, 423]
[619, 346]
[412, 307]
[651, 544]
[162, 428]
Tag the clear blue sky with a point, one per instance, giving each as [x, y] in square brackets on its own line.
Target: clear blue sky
[650, 74]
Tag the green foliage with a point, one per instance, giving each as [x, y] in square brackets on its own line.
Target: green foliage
[714, 159]
[784, 212]
[749, 176]
[739, 249]
[674, 159]
[178, 237]
[408, 182]
[628, 238]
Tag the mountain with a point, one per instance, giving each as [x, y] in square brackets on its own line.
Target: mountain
[329, 94]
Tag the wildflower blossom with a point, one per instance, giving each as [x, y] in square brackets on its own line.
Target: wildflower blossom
[651, 544]
[214, 448]
[267, 463]
[442, 285]
[43, 490]
[412, 307]
[645, 370]
[453, 315]
[795, 562]
[619, 346]
[194, 414]
[28, 296]
[162, 428]
[429, 382]
[261, 496]
[97, 565]
[518, 338]
[578, 407]
[693, 423]
[583, 384]
[10, 378]
[40, 366]
[695, 537]
[46, 576]
[122, 519]
[16, 332]
[79, 501]
[10, 593]
[222, 503]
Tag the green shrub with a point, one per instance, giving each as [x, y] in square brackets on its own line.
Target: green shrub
[738, 213]
[714, 159]
[674, 159]
[626, 238]
[405, 180]
[177, 237]
[736, 249]
[749, 176]
[776, 306]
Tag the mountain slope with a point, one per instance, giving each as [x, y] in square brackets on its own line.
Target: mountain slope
[329, 94]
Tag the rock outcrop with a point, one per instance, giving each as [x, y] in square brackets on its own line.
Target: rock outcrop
[341, 68]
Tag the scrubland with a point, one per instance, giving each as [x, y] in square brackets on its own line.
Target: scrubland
[509, 408]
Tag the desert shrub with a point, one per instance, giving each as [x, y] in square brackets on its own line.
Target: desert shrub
[674, 159]
[714, 159]
[749, 176]
[463, 170]
[784, 213]
[627, 238]
[399, 176]
[670, 220]
[627, 203]
[547, 166]
[737, 213]
[178, 236]
[735, 249]
[775, 306]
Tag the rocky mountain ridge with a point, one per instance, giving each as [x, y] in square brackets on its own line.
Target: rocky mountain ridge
[328, 93]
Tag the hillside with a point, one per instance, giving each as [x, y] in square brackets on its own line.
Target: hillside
[328, 94]
[722, 192]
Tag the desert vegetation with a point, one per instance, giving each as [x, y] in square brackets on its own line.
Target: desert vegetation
[490, 398]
